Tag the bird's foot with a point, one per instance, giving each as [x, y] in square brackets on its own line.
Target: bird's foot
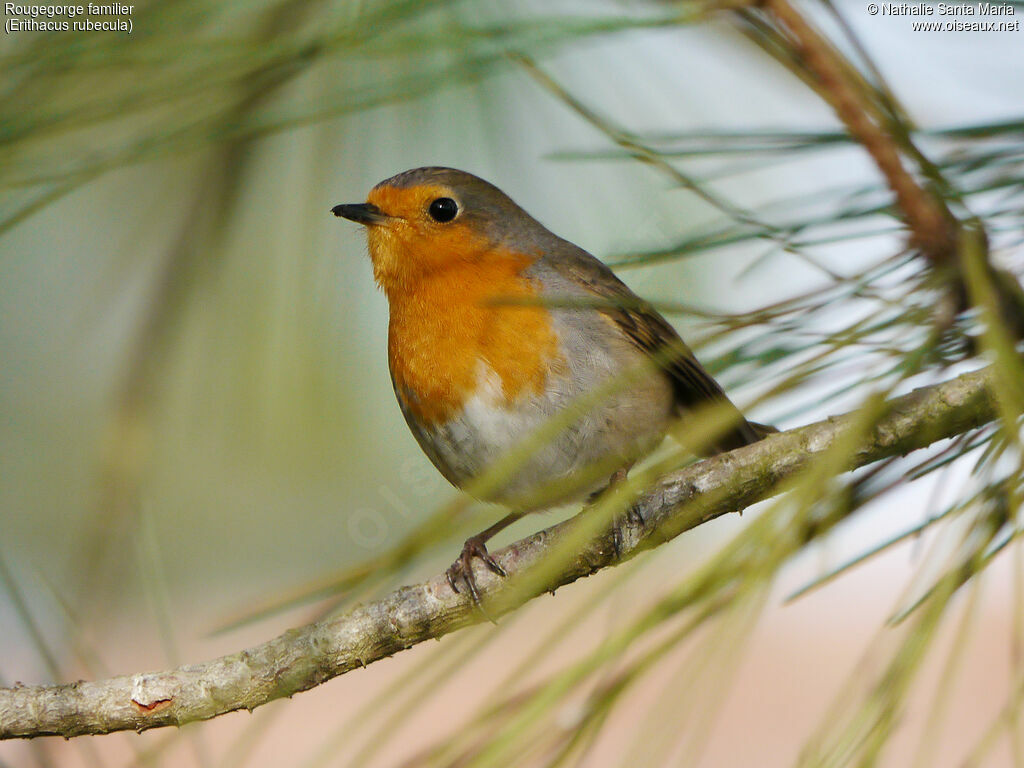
[630, 516]
[462, 568]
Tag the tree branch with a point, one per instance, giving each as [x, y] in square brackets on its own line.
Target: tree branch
[303, 658]
[931, 224]
[934, 229]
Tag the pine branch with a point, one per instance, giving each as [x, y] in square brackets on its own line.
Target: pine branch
[934, 228]
[932, 225]
[303, 658]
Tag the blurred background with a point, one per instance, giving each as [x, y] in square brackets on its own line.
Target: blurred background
[198, 437]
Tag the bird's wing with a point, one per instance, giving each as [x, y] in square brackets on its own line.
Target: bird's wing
[650, 332]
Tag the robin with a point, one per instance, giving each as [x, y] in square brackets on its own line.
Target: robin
[497, 325]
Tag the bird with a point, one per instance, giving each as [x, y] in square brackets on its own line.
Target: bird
[497, 326]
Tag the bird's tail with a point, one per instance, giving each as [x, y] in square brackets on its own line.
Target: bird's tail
[745, 433]
[762, 430]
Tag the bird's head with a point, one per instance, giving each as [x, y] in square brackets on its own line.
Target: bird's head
[428, 220]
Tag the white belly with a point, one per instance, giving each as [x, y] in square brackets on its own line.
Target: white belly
[554, 446]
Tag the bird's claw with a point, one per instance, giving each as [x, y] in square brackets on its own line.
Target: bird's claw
[632, 516]
[462, 568]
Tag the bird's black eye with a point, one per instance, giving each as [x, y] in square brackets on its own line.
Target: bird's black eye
[443, 209]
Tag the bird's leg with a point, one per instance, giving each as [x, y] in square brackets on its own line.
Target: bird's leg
[476, 546]
[618, 476]
[632, 513]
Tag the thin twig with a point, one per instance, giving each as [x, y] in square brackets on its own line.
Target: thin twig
[932, 225]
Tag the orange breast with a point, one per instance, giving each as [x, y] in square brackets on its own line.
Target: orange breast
[446, 323]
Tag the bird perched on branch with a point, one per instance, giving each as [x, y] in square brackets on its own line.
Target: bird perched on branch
[498, 328]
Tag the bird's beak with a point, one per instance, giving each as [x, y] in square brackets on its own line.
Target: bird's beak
[361, 213]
